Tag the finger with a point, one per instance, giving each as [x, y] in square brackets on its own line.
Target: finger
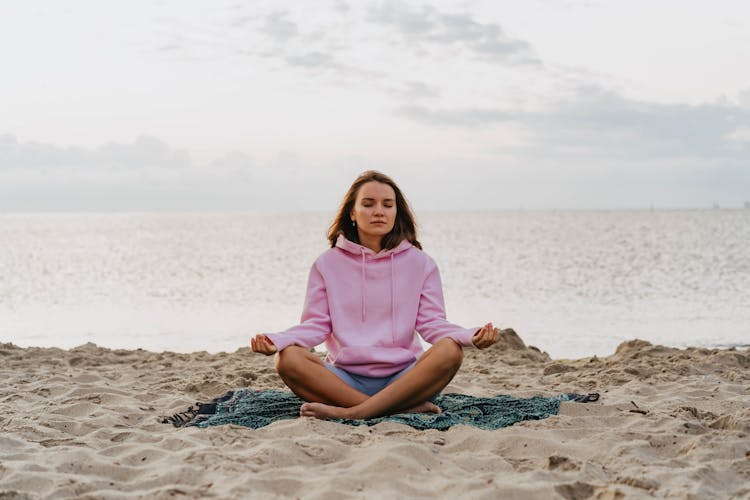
[270, 346]
[487, 337]
[479, 340]
[489, 332]
[252, 344]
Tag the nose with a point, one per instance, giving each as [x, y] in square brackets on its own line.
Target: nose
[379, 209]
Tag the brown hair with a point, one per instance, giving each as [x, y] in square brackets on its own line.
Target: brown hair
[404, 228]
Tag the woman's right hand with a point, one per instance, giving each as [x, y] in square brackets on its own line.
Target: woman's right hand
[262, 344]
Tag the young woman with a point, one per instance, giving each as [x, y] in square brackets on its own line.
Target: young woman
[366, 297]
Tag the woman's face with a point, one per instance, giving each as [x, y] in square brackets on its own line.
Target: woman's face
[374, 209]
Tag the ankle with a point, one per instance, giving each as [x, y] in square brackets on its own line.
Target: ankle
[353, 413]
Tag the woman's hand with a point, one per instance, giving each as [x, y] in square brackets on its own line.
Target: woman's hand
[485, 337]
[262, 344]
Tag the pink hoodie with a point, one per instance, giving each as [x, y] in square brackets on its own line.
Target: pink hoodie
[367, 306]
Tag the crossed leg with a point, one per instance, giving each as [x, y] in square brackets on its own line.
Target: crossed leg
[331, 397]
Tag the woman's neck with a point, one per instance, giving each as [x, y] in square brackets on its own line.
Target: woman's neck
[374, 243]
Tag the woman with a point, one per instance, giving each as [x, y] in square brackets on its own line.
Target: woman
[366, 296]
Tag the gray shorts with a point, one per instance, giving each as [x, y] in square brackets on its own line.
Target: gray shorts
[370, 385]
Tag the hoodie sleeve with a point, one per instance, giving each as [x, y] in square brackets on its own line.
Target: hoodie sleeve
[315, 324]
[431, 323]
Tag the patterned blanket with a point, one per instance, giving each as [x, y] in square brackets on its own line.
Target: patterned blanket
[257, 408]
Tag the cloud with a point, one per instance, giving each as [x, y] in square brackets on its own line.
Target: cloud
[612, 124]
[278, 27]
[241, 21]
[34, 155]
[334, 47]
[428, 26]
[740, 135]
[415, 91]
[598, 123]
[146, 174]
[169, 47]
[312, 59]
[315, 51]
[466, 117]
[144, 153]
[341, 6]
[743, 97]
[234, 164]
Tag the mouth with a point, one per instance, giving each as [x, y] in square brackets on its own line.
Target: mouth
[379, 222]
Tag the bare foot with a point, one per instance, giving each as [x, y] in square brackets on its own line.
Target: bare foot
[323, 411]
[425, 407]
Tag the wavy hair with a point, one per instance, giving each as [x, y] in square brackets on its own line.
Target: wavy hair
[404, 228]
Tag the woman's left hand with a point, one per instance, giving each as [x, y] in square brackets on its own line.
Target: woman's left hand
[485, 337]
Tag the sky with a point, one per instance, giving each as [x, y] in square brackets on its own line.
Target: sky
[278, 105]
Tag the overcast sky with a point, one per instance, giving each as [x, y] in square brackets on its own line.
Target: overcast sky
[278, 105]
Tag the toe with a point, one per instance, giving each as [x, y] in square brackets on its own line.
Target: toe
[305, 410]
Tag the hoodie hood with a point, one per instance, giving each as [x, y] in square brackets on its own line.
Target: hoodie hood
[356, 249]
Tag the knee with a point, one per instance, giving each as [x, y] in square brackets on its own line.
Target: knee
[452, 353]
[288, 361]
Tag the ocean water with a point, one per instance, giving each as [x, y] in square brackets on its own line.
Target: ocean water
[573, 283]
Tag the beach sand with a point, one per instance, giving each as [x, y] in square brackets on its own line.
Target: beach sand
[85, 423]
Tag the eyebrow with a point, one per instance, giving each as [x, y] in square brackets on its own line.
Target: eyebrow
[373, 199]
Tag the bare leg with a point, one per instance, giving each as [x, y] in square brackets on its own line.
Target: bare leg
[434, 370]
[306, 375]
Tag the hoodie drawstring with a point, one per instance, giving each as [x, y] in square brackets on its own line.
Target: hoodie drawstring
[393, 302]
[363, 285]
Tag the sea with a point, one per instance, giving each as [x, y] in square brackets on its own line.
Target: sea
[572, 283]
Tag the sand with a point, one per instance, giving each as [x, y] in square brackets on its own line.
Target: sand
[84, 423]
